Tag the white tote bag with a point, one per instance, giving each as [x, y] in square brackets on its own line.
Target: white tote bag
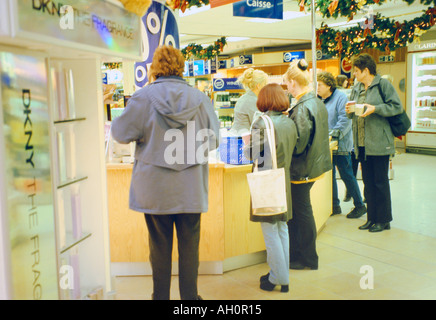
[268, 187]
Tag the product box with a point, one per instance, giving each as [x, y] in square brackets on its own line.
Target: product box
[231, 151]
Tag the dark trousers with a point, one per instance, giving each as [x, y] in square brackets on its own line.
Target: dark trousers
[160, 229]
[345, 168]
[302, 228]
[375, 176]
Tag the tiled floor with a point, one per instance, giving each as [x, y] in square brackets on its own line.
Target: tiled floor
[402, 260]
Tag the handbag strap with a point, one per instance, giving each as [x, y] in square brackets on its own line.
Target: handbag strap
[271, 138]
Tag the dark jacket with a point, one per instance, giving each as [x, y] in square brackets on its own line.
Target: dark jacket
[379, 139]
[286, 138]
[169, 120]
[311, 157]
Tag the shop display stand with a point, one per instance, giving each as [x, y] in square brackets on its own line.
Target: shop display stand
[79, 178]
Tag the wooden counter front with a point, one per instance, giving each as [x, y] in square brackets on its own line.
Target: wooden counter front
[228, 238]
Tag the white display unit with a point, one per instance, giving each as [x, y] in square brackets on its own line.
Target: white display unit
[85, 179]
[77, 253]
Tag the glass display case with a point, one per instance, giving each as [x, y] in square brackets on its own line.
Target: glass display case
[421, 97]
[423, 91]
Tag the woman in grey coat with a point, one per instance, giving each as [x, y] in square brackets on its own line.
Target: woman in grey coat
[373, 139]
[171, 122]
[245, 108]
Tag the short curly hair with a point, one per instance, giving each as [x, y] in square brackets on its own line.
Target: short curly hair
[328, 79]
[167, 61]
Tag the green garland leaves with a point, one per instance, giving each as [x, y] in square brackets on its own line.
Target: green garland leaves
[382, 33]
[349, 8]
[195, 50]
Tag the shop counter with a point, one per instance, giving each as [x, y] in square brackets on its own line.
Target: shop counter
[229, 240]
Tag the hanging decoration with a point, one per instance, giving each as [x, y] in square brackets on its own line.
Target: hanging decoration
[138, 7]
[198, 51]
[112, 65]
[186, 4]
[349, 8]
[385, 34]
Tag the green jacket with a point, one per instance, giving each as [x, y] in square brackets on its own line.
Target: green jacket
[379, 139]
[286, 137]
[311, 157]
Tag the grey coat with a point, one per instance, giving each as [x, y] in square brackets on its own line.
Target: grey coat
[245, 109]
[379, 139]
[170, 122]
[286, 138]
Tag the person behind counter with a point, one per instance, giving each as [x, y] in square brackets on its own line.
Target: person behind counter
[340, 129]
[159, 184]
[272, 100]
[373, 138]
[310, 160]
[252, 80]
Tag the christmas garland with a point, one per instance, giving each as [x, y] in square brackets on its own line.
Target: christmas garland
[383, 34]
[348, 8]
[186, 4]
[195, 50]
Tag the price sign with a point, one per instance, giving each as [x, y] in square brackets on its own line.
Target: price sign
[159, 27]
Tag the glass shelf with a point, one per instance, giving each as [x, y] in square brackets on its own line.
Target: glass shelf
[70, 182]
[72, 242]
[69, 120]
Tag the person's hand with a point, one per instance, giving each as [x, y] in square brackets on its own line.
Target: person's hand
[369, 109]
[347, 106]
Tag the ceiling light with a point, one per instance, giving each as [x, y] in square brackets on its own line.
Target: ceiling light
[236, 39]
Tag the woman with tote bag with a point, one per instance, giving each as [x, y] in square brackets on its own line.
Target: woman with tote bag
[272, 100]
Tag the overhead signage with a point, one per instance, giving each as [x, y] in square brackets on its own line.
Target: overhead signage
[97, 25]
[268, 9]
[386, 58]
[159, 28]
[289, 56]
[422, 46]
[222, 64]
[27, 177]
[346, 66]
[320, 55]
[199, 68]
[224, 84]
[245, 59]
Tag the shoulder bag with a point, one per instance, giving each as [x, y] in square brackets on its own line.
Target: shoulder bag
[399, 123]
[268, 187]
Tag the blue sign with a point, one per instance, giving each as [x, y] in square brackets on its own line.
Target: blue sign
[289, 56]
[245, 59]
[270, 9]
[161, 28]
[223, 84]
[199, 68]
[222, 64]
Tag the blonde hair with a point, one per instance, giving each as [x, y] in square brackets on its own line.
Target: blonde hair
[298, 71]
[252, 78]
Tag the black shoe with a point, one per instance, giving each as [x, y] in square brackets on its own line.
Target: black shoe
[264, 277]
[356, 213]
[366, 226]
[336, 210]
[378, 227]
[347, 198]
[268, 286]
[299, 266]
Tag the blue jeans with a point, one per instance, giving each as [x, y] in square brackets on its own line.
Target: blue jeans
[276, 239]
[344, 165]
